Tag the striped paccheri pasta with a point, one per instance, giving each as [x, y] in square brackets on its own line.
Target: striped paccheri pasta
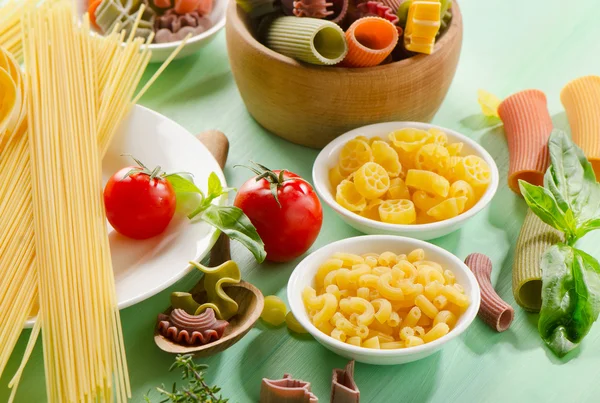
[581, 99]
[96, 105]
[527, 125]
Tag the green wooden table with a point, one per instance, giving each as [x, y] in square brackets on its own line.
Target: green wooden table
[508, 45]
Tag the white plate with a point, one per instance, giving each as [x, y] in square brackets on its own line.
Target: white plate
[328, 158]
[145, 268]
[161, 51]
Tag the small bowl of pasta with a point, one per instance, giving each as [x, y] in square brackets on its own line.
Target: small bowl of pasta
[405, 178]
[383, 299]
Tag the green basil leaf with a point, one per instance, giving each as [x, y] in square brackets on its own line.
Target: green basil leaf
[215, 188]
[570, 297]
[236, 225]
[588, 226]
[183, 185]
[571, 178]
[543, 204]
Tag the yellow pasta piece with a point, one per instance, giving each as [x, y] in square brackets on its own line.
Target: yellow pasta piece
[446, 317]
[330, 304]
[433, 289]
[433, 265]
[371, 180]
[387, 290]
[391, 345]
[449, 208]
[387, 259]
[398, 212]
[438, 136]
[426, 306]
[327, 267]
[398, 190]
[335, 177]
[427, 181]
[381, 336]
[414, 341]
[334, 290]
[364, 293]
[394, 320]
[454, 149]
[416, 255]
[384, 309]
[338, 335]
[461, 188]
[354, 154]
[437, 331]
[455, 296]
[274, 310]
[406, 332]
[474, 170]
[424, 202]
[348, 196]
[427, 274]
[387, 157]
[432, 157]
[293, 324]
[449, 277]
[424, 321]
[419, 331]
[440, 302]
[354, 340]
[371, 211]
[412, 317]
[373, 342]
[348, 259]
[325, 327]
[408, 139]
[309, 297]
[368, 280]
[371, 260]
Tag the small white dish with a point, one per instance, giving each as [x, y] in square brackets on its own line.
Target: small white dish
[304, 274]
[143, 268]
[328, 158]
[161, 51]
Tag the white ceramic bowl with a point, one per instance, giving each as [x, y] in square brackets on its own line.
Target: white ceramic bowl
[328, 159]
[161, 51]
[304, 274]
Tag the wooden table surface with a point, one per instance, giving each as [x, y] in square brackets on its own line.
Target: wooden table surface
[509, 45]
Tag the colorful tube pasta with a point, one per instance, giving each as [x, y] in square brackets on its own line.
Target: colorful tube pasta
[535, 238]
[527, 125]
[286, 390]
[343, 387]
[422, 26]
[370, 41]
[309, 40]
[581, 99]
[493, 310]
[184, 328]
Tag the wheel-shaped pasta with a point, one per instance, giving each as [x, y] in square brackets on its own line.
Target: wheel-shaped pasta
[348, 196]
[387, 157]
[408, 139]
[432, 157]
[462, 188]
[371, 180]
[474, 170]
[398, 190]
[354, 154]
[398, 212]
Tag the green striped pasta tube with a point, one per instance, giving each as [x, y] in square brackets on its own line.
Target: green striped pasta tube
[535, 238]
[310, 40]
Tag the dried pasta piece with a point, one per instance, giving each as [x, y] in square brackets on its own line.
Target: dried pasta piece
[387, 157]
[312, 8]
[343, 387]
[422, 25]
[171, 27]
[259, 8]
[353, 155]
[527, 125]
[214, 280]
[493, 310]
[293, 324]
[348, 197]
[286, 390]
[427, 181]
[371, 180]
[113, 13]
[184, 328]
[489, 103]
[274, 311]
[535, 238]
[379, 9]
[309, 40]
[451, 207]
[370, 41]
[394, 5]
[581, 99]
[398, 189]
[398, 212]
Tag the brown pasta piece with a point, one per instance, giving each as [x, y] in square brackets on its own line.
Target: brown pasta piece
[312, 8]
[343, 387]
[493, 310]
[172, 27]
[286, 390]
[184, 328]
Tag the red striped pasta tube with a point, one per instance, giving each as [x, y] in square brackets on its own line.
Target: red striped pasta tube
[527, 125]
[370, 41]
[581, 99]
[286, 390]
[535, 238]
[493, 310]
[310, 40]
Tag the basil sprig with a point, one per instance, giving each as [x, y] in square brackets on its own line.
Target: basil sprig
[229, 219]
[570, 202]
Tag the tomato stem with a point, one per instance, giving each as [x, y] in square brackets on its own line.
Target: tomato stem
[262, 172]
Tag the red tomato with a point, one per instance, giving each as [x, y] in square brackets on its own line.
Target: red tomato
[287, 230]
[138, 207]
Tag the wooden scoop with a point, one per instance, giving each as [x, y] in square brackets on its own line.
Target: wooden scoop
[249, 298]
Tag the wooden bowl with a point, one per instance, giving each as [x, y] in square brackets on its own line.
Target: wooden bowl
[311, 105]
[250, 301]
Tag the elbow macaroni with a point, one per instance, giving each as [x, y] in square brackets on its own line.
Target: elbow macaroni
[415, 177]
[384, 301]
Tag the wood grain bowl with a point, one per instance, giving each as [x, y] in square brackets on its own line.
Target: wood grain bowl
[311, 105]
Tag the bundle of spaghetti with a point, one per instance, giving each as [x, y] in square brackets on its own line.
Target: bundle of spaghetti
[527, 125]
[370, 41]
[535, 238]
[10, 26]
[581, 99]
[118, 68]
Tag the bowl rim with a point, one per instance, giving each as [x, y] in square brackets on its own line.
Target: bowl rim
[322, 188]
[296, 306]
[236, 20]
